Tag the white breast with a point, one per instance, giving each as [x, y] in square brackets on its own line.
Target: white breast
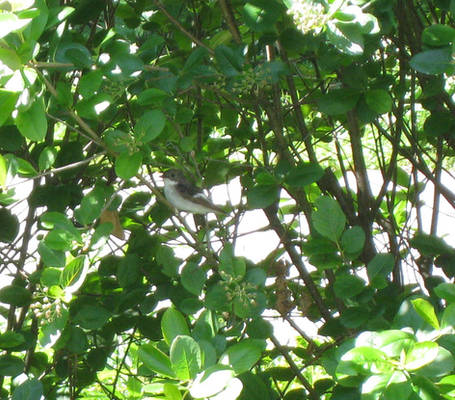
[180, 203]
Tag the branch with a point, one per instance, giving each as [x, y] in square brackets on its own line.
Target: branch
[230, 20]
[181, 28]
[296, 259]
[312, 394]
[82, 123]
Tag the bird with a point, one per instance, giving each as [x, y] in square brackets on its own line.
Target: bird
[185, 196]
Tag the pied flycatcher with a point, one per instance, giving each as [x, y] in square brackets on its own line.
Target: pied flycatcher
[185, 196]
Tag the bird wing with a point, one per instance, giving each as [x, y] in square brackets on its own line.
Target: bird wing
[188, 189]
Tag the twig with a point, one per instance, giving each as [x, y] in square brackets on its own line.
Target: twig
[226, 9]
[312, 394]
[57, 170]
[182, 29]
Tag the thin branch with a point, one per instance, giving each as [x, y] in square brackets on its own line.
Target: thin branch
[312, 394]
[226, 9]
[181, 28]
[57, 170]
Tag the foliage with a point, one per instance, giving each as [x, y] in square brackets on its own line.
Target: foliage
[110, 294]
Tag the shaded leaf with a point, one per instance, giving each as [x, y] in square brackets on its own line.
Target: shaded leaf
[31, 389]
[433, 62]
[17, 296]
[127, 165]
[32, 122]
[329, 220]
[173, 324]
[243, 355]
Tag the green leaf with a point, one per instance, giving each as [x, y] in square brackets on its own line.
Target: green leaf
[212, 381]
[243, 355]
[346, 37]
[10, 137]
[72, 272]
[127, 165]
[9, 226]
[33, 31]
[32, 122]
[31, 389]
[261, 196]
[51, 258]
[50, 276]
[9, 22]
[168, 261]
[392, 342]
[155, 360]
[261, 15]
[329, 220]
[354, 317]
[430, 245]
[193, 278]
[420, 355]
[446, 291]
[10, 59]
[433, 62]
[24, 168]
[231, 267]
[256, 276]
[17, 296]
[152, 97]
[259, 328]
[47, 158]
[398, 386]
[251, 305]
[149, 126]
[173, 324]
[53, 326]
[448, 317]
[447, 263]
[53, 219]
[364, 361]
[379, 101]
[172, 392]
[438, 123]
[426, 311]
[73, 53]
[379, 268]
[353, 240]
[92, 107]
[230, 61]
[438, 35]
[438, 368]
[3, 170]
[186, 357]
[11, 339]
[338, 101]
[304, 174]
[92, 317]
[58, 239]
[7, 103]
[91, 206]
[217, 298]
[90, 83]
[11, 365]
[347, 286]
